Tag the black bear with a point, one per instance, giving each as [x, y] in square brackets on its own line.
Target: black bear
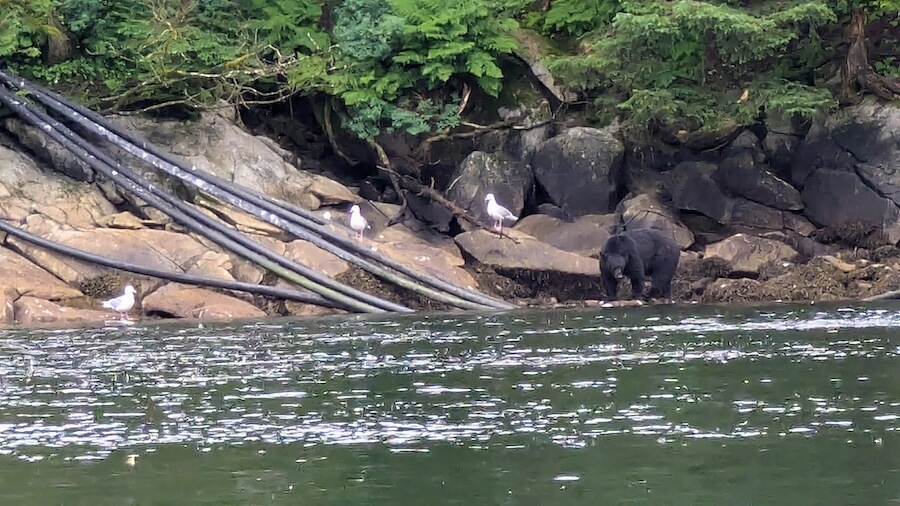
[637, 254]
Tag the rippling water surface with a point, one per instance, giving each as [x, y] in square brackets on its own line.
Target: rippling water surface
[789, 405]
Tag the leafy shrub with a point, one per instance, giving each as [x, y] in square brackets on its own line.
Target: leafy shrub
[685, 62]
[394, 59]
[388, 65]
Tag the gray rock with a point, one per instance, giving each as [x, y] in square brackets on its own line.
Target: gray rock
[482, 173]
[779, 149]
[580, 169]
[863, 139]
[26, 187]
[49, 151]
[752, 215]
[585, 235]
[818, 151]
[746, 143]
[742, 175]
[217, 145]
[692, 188]
[747, 254]
[523, 252]
[799, 224]
[555, 211]
[521, 143]
[841, 201]
[645, 167]
[645, 211]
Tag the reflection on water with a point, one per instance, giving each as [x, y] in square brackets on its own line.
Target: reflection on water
[495, 383]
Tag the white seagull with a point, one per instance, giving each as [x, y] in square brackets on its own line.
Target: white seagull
[123, 303]
[498, 213]
[357, 221]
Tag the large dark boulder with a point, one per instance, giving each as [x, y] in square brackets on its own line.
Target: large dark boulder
[692, 188]
[841, 201]
[875, 145]
[818, 151]
[779, 149]
[848, 165]
[645, 165]
[746, 143]
[580, 169]
[743, 175]
[481, 173]
[781, 136]
[863, 139]
[871, 133]
[747, 215]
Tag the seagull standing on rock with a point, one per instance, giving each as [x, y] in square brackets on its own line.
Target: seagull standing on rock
[357, 221]
[123, 303]
[498, 213]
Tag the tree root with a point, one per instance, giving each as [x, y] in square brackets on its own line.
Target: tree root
[329, 132]
[857, 72]
[384, 166]
[403, 182]
[413, 185]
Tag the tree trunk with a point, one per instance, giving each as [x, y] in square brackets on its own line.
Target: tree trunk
[60, 47]
[858, 75]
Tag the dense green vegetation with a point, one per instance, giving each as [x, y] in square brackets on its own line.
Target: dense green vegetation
[405, 64]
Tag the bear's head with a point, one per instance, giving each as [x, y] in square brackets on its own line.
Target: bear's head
[614, 263]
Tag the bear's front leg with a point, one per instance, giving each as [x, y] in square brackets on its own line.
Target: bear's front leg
[610, 286]
[637, 286]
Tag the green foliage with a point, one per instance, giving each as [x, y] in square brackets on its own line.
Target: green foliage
[889, 66]
[393, 59]
[791, 98]
[84, 17]
[377, 116]
[196, 51]
[692, 109]
[23, 27]
[288, 25]
[392, 64]
[366, 29]
[874, 8]
[578, 17]
[442, 39]
[685, 62]
[402, 65]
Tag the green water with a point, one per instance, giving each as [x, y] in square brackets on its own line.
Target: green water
[675, 405]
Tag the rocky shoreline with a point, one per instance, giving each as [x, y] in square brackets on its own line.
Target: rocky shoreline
[781, 212]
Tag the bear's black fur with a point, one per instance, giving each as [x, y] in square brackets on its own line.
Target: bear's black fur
[637, 254]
